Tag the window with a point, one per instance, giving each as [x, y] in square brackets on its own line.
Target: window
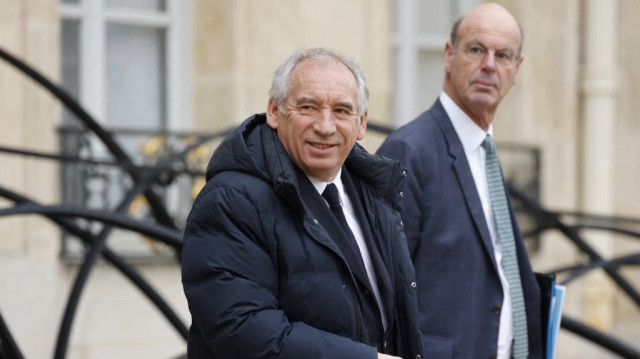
[421, 29]
[126, 62]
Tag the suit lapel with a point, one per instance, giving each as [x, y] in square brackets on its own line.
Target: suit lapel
[321, 211]
[465, 178]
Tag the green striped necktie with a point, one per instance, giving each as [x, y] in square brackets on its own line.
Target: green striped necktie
[507, 241]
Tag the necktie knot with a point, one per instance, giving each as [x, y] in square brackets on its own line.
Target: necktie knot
[489, 145]
[331, 195]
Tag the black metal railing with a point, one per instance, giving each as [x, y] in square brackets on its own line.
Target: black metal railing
[94, 226]
[95, 181]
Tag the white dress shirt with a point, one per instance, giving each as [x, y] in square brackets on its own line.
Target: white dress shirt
[472, 136]
[349, 213]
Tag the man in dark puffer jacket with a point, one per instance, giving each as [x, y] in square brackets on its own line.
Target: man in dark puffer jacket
[267, 268]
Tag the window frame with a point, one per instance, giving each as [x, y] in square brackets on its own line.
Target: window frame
[408, 44]
[93, 17]
[86, 186]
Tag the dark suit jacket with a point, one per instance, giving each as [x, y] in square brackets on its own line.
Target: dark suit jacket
[459, 291]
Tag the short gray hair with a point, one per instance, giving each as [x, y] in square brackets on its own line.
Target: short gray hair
[280, 84]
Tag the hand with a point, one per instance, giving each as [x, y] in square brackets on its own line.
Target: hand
[387, 356]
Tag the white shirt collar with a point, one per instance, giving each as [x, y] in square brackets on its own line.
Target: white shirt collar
[470, 134]
[321, 185]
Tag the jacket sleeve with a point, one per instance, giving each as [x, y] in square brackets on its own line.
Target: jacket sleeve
[230, 279]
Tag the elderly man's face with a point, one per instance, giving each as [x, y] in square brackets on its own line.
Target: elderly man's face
[484, 65]
[319, 123]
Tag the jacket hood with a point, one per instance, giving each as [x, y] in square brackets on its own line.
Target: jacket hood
[254, 148]
[241, 151]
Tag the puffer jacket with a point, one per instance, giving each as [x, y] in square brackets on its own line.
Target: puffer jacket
[262, 277]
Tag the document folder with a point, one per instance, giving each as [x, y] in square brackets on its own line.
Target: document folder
[551, 300]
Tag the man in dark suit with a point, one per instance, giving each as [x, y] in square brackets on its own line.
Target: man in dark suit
[472, 302]
[294, 248]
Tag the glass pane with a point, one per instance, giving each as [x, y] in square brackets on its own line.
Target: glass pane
[70, 1]
[138, 4]
[70, 64]
[136, 84]
[434, 17]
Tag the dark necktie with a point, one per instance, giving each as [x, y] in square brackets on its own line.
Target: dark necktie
[507, 241]
[333, 198]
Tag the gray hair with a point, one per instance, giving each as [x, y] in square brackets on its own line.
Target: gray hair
[280, 84]
[456, 27]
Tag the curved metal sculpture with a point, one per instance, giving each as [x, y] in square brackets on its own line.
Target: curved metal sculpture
[164, 228]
